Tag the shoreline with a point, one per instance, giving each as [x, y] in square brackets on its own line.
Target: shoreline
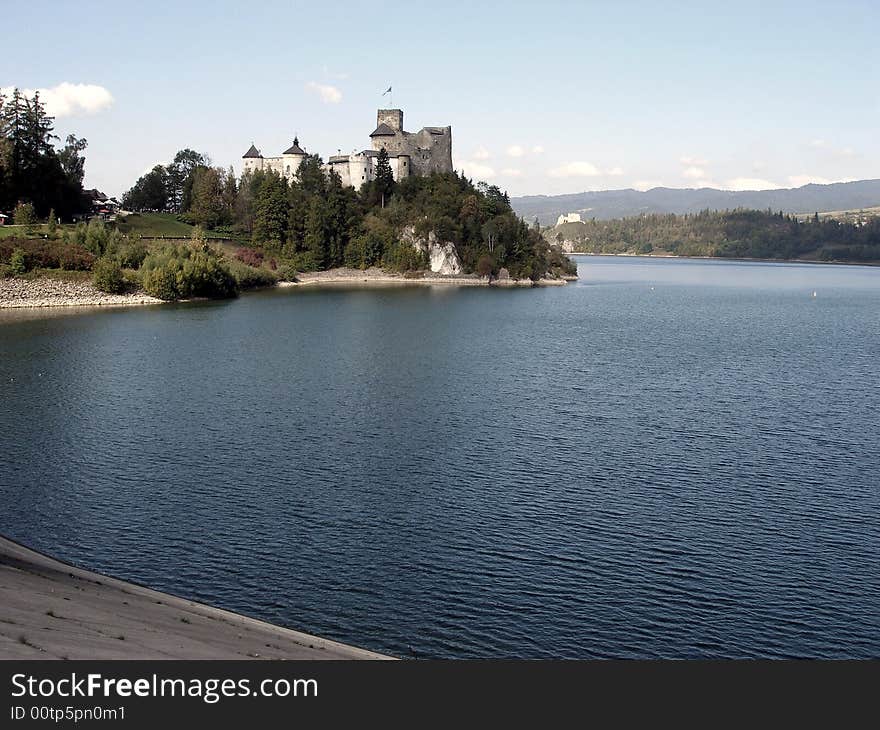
[723, 258]
[380, 277]
[50, 609]
[46, 292]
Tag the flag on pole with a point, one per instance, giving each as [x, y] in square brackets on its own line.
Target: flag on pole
[387, 91]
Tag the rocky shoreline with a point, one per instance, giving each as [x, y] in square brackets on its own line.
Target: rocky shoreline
[379, 277]
[46, 292]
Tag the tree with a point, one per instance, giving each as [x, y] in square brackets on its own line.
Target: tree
[150, 192]
[271, 211]
[24, 215]
[207, 208]
[180, 177]
[30, 168]
[384, 186]
[72, 162]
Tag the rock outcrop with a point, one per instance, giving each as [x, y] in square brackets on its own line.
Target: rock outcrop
[442, 256]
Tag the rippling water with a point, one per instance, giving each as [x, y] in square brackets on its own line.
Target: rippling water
[668, 459]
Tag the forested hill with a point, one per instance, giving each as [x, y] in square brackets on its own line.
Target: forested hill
[607, 204]
[730, 234]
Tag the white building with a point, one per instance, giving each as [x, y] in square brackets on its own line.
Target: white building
[286, 165]
[570, 218]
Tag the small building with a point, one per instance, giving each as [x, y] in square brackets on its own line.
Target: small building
[569, 218]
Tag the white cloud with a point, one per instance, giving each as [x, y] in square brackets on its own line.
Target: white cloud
[515, 150]
[693, 161]
[706, 184]
[575, 169]
[537, 150]
[614, 171]
[481, 154]
[329, 94]
[646, 184]
[67, 100]
[847, 152]
[797, 181]
[750, 183]
[759, 165]
[511, 172]
[694, 173]
[818, 143]
[476, 170]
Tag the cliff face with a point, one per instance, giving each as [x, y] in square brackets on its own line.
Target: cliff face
[442, 256]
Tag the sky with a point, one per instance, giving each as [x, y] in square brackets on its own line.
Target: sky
[543, 98]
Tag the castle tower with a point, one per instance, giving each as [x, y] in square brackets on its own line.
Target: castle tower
[252, 160]
[292, 158]
[392, 117]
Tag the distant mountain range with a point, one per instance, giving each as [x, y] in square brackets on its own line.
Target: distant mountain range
[623, 203]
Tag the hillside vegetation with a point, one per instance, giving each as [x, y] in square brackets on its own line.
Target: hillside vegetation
[733, 234]
[314, 222]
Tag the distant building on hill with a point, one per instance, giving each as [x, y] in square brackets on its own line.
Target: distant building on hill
[409, 153]
[569, 218]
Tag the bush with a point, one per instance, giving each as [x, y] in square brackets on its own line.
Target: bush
[250, 256]
[364, 251]
[182, 272]
[96, 237]
[18, 262]
[403, 256]
[47, 254]
[485, 265]
[24, 215]
[249, 277]
[131, 254]
[107, 276]
[160, 282]
[304, 261]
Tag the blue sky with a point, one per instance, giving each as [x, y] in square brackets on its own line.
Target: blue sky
[545, 97]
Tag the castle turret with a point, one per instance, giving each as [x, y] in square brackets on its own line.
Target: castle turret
[392, 117]
[252, 159]
[292, 158]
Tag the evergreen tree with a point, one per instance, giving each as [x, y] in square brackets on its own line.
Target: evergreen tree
[384, 183]
[271, 211]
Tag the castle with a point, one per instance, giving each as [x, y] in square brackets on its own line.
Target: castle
[409, 153]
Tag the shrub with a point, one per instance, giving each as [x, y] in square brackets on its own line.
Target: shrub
[160, 282]
[107, 276]
[96, 237]
[181, 272]
[250, 256]
[52, 226]
[485, 265]
[403, 256]
[304, 261]
[249, 277]
[24, 214]
[18, 262]
[131, 253]
[364, 251]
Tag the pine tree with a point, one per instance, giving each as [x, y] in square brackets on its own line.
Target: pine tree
[271, 212]
[384, 186]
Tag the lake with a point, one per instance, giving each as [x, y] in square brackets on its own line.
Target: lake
[669, 458]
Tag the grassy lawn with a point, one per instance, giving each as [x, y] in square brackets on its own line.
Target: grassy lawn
[158, 224]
